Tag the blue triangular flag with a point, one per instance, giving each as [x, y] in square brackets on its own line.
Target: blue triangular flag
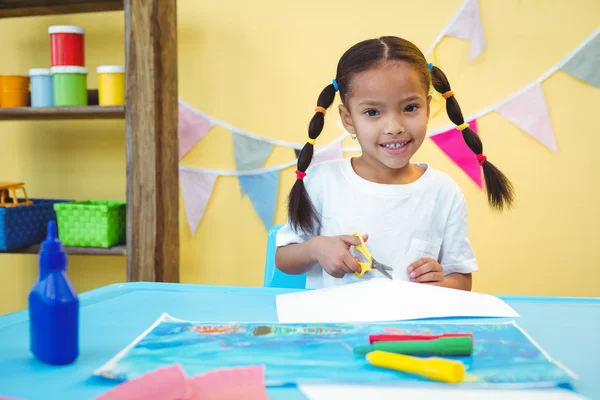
[585, 65]
[297, 151]
[262, 190]
[249, 153]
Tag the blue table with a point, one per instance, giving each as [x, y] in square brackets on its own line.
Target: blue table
[111, 317]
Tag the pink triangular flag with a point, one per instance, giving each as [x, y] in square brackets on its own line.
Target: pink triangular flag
[246, 383]
[529, 112]
[452, 143]
[168, 383]
[467, 25]
[191, 128]
[332, 152]
[197, 189]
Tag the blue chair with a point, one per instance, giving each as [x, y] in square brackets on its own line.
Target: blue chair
[274, 277]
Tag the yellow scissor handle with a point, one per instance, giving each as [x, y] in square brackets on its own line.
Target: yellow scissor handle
[364, 266]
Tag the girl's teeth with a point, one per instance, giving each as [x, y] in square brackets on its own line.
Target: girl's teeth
[394, 145]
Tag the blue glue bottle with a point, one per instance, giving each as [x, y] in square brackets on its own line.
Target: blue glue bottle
[53, 306]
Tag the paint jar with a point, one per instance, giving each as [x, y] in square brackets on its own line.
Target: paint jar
[70, 86]
[14, 91]
[67, 45]
[111, 85]
[42, 94]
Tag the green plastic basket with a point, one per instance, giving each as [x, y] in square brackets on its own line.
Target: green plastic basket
[92, 223]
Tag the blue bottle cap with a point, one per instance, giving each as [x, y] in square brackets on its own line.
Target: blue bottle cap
[52, 243]
[52, 255]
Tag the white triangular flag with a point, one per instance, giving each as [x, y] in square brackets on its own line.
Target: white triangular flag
[529, 112]
[332, 152]
[467, 25]
[197, 189]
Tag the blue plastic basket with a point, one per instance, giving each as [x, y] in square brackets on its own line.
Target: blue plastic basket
[24, 226]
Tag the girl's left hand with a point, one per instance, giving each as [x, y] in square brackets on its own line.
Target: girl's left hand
[426, 270]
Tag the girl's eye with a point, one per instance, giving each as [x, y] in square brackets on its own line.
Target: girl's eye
[411, 108]
[372, 113]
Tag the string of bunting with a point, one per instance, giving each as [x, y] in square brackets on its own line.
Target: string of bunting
[526, 108]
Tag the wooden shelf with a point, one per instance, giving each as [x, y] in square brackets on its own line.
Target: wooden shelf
[83, 112]
[27, 8]
[89, 251]
[150, 128]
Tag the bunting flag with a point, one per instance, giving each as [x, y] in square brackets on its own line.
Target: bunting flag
[262, 190]
[585, 64]
[453, 145]
[191, 128]
[528, 111]
[467, 25]
[334, 151]
[197, 189]
[249, 153]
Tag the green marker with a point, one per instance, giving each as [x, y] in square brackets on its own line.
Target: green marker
[448, 346]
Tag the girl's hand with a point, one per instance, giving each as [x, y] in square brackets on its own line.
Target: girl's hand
[333, 254]
[426, 270]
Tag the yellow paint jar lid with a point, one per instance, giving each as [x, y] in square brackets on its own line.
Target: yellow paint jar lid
[110, 69]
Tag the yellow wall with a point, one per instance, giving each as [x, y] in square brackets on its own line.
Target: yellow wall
[260, 66]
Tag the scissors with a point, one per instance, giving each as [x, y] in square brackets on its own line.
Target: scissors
[372, 263]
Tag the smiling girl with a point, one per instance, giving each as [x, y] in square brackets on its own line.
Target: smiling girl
[413, 216]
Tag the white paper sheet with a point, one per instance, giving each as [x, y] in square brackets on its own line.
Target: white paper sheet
[355, 392]
[385, 300]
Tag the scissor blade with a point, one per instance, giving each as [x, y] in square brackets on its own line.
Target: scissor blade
[386, 274]
[382, 268]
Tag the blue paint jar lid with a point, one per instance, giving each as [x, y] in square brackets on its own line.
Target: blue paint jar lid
[39, 72]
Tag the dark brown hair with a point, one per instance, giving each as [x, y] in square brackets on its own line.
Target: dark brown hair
[361, 57]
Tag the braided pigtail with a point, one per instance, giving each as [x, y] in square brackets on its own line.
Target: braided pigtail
[301, 210]
[499, 190]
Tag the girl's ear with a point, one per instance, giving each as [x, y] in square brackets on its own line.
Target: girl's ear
[346, 118]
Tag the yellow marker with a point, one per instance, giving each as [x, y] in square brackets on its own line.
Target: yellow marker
[437, 369]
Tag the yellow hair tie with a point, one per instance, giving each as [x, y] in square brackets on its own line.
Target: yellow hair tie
[321, 110]
[311, 141]
[449, 93]
[462, 126]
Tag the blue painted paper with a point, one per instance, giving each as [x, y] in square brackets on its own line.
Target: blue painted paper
[503, 354]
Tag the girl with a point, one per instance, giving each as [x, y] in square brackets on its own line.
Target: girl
[414, 217]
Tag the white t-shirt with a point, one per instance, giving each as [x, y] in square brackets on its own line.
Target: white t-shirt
[426, 218]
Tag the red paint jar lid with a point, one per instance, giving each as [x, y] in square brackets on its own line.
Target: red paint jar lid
[66, 29]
